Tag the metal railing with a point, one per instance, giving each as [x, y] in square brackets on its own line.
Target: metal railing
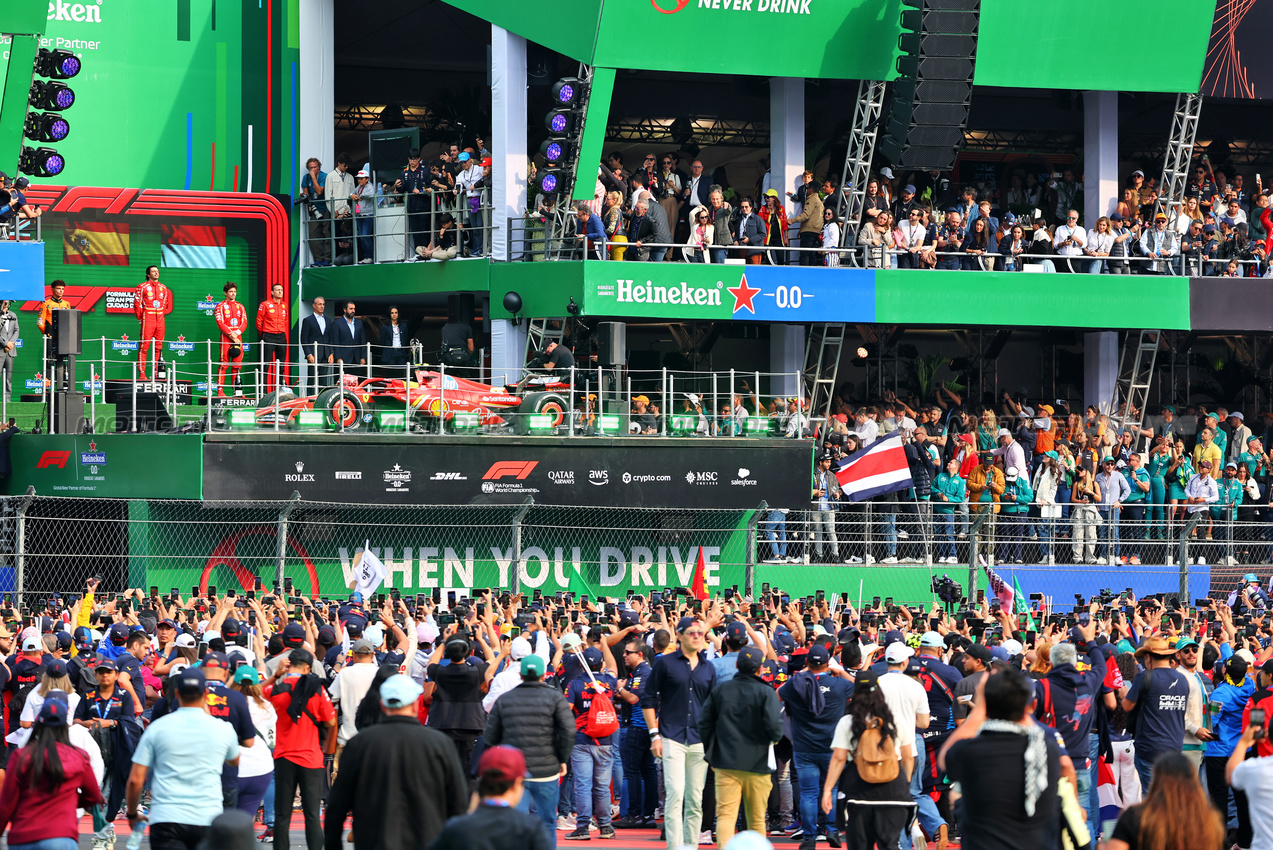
[386, 229]
[531, 240]
[18, 228]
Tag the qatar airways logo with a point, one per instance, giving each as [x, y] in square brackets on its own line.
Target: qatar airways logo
[784, 7]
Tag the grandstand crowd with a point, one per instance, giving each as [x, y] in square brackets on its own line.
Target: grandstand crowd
[923, 220]
[498, 720]
[1056, 486]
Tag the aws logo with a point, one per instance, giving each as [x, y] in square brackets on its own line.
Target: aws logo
[680, 4]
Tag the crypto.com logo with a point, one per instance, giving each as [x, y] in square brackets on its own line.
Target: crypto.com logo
[680, 4]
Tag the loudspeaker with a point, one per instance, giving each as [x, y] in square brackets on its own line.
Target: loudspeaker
[389, 149]
[932, 95]
[66, 332]
[612, 343]
[150, 414]
[68, 409]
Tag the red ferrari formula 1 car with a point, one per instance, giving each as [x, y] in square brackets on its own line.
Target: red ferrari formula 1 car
[430, 397]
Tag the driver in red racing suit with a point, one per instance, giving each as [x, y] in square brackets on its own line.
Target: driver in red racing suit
[152, 302]
[232, 319]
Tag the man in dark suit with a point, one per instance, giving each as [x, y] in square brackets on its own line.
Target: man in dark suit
[316, 344]
[348, 339]
[698, 190]
[749, 231]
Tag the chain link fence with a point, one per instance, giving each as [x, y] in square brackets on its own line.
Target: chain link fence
[52, 545]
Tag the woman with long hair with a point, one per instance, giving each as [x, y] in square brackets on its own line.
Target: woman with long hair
[54, 677]
[1175, 814]
[700, 238]
[877, 811]
[977, 245]
[988, 430]
[1179, 471]
[612, 220]
[1099, 243]
[256, 763]
[45, 782]
[831, 238]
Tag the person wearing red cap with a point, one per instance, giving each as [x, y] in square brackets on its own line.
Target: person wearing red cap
[495, 823]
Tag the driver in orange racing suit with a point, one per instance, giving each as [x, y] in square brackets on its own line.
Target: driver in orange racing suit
[153, 301]
[232, 319]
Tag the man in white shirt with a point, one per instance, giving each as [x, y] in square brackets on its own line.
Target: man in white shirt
[350, 686]
[908, 701]
[467, 183]
[1070, 239]
[339, 186]
[1254, 777]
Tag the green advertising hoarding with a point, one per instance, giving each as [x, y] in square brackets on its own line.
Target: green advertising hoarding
[1020, 45]
[123, 466]
[179, 94]
[602, 552]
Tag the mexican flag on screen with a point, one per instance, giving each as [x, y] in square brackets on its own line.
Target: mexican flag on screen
[95, 243]
[192, 246]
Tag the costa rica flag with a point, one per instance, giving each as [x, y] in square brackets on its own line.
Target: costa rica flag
[879, 468]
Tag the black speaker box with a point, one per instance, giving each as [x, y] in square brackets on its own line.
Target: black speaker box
[66, 332]
[150, 413]
[612, 343]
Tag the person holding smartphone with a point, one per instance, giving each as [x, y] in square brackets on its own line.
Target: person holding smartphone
[1231, 695]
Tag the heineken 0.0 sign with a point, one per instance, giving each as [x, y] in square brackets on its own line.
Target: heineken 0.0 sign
[706, 292]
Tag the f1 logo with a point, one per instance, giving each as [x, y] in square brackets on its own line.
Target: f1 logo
[50, 458]
[509, 468]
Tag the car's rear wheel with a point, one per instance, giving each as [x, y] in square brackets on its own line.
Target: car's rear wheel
[340, 409]
[551, 403]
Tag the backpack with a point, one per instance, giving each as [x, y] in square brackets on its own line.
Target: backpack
[876, 756]
[602, 720]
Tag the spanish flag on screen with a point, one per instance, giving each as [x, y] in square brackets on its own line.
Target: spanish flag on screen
[95, 243]
[192, 246]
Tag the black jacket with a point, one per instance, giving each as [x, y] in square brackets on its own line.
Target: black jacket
[402, 781]
[536, 719]
[492, 828]
[740, 720]
[345, 346]
[923, 469]
[6, 463]
[311, 334]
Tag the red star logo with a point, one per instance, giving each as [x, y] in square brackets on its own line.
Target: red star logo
[743, 295]
[92, 447]
[207, 297]
[124, 337]
[181, 338]
[39, 377]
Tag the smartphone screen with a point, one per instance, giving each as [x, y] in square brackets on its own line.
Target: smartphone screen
[154, 590]
[257, 585]
[450, 599]
[212, 590]
[194, 591]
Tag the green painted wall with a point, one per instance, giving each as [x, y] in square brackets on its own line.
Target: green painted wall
[398, 278]
[1093, 44]
[954, 299]
[545, 288]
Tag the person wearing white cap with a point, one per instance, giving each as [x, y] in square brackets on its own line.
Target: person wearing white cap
[1012, 452]
[905, 697]
[1014, 505]
[939, 680]
[363, 200]
[511, 676]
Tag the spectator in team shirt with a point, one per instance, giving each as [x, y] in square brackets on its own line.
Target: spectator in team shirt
[815, 700]
[592, 757]
[1160, 695]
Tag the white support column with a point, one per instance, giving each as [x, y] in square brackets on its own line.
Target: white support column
[316, 68]
[1100, 155]
[1100, 369]
[508, 351]
[786, 122]
[508, 137]
[786, 359]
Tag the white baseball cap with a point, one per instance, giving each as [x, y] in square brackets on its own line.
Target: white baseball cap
[897, 653]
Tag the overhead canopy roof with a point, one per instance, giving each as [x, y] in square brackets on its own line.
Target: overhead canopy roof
[1079, 44]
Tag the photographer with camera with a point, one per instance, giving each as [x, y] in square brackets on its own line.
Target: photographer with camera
[313, 196]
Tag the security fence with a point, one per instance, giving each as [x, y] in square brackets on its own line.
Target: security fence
[52, 545]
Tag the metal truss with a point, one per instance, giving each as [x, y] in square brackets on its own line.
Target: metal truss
[1021, 141]
[703, 130]
[365, 116]
[861, 150]
[1175, 170]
